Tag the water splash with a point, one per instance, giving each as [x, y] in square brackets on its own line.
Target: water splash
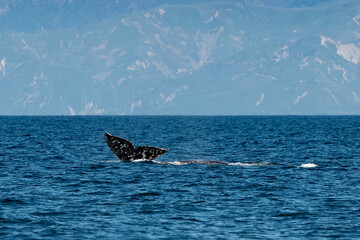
[308, 165]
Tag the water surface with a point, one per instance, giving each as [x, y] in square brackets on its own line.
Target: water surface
[58, 178]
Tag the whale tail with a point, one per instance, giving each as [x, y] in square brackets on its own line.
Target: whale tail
[125, 150]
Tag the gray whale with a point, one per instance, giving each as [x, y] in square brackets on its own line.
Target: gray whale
[125, 150]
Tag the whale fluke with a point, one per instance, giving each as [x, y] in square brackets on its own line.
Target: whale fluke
[125, 150]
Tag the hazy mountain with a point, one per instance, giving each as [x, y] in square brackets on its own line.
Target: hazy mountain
[179, 57]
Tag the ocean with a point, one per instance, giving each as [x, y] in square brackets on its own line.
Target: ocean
[289, 177]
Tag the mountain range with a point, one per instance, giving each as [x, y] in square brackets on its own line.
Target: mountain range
[156, 57]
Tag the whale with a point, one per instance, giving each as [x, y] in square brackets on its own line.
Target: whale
[198, 161]
[125, 150]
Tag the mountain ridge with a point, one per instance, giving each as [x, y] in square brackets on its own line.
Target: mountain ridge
[223, 58]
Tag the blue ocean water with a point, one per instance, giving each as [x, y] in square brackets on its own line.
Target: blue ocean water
[59, 179]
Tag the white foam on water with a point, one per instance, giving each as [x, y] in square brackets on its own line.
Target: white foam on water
[181, 163]
[308, 165]
[178, 163]
[111, 161]
[141, 160]
[160, 162]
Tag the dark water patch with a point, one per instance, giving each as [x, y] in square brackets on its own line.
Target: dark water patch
[98, 166]
[11, 201]
[176, 190]
[293, 215]
[186, 219]
[146, 194]
[145, 212]
[113, 204]
[75, 185]
[98, 192]
[11, 220]
[132, 181]
[48, 213]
